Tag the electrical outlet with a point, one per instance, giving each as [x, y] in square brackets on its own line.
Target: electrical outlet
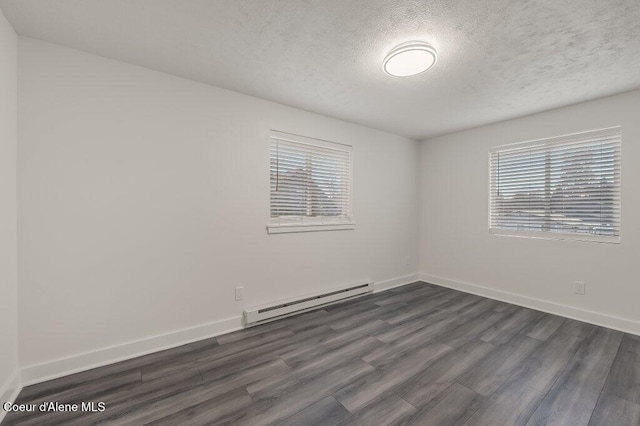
[578, 287]
[239, 293]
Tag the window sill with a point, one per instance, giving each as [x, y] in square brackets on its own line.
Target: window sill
[555, 236]
[311, 227]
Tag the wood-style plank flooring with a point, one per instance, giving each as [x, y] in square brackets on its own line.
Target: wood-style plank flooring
[419, 354]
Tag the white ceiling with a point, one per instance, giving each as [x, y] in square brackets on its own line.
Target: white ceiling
[498, 59]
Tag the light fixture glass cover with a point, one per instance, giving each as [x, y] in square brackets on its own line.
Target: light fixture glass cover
[411, 58]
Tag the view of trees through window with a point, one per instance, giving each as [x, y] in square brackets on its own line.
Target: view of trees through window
[566, 188]
[309, 181]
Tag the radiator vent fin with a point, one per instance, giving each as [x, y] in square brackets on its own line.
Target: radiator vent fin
[292, 307]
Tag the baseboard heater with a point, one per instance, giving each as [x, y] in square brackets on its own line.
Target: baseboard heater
[288, 308]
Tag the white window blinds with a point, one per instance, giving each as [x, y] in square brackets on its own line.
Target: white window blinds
[310, 181]
[567, 186]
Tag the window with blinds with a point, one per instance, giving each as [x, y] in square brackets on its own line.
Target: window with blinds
[310, 183]
[564, 187]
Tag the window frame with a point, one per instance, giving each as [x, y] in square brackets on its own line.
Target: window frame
[284, 224]
[551, 235]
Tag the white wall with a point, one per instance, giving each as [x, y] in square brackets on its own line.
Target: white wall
[8, 227]
[457, 250]
[144, 201]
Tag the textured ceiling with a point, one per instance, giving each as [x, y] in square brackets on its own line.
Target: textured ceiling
[498, 59]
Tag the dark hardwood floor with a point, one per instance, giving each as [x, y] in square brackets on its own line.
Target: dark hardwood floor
[419, 354]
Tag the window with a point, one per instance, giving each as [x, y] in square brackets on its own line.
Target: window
[310, 184]
[563, 187]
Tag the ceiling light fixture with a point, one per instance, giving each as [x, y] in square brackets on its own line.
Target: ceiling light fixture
[409, 59]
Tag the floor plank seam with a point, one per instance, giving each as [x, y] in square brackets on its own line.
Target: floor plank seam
[399, 396]
[340, 402]
[484, 400]
[305, 389]
[597, 402]
[544, 397]
[604, 384]
[200, 373]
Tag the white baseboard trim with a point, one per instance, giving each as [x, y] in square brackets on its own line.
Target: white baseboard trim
[597, 318]
[77, 363]
[62, 367]
[395, 282]
[9, 392]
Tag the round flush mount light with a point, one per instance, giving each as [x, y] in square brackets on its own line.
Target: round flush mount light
[409, 59]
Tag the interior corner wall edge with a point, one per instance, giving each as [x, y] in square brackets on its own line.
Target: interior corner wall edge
[9, 390]
[9, 364]
[455, 243]
[144, 200]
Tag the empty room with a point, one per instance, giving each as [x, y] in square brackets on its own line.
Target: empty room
[336, 212]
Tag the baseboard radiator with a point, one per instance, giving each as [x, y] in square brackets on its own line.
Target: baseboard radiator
[288, 308]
